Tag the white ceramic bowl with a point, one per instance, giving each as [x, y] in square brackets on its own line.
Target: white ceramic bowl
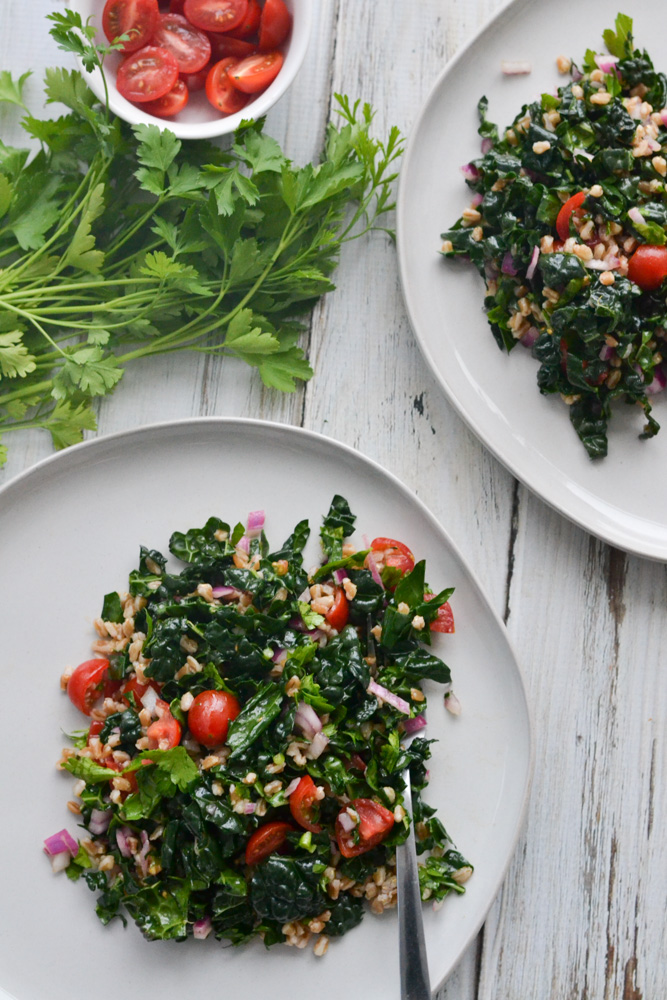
[199, 120]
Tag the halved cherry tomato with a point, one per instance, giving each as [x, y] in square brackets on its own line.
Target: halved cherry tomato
[195, 81]
[266, 840]
[303, 804]
[339, 611]
[190, 47]
[375, 822]
[394, 553]
[84, 686]
[138, 690]
[210, 715]
[95, 729]
[563, 219]
[274, 26]
[220, 90]
[136, 18]
[165, 733]
[445, 620]
[215, 15]
[223, 46]
[148, 74]
[250, 22]
[648, 266]
[176, 6]
[256, 72]
[171, 103]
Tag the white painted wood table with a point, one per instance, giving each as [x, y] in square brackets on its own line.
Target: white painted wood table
[582, 911]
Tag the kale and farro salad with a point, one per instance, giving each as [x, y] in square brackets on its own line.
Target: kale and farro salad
[568, 228]
[242, 774]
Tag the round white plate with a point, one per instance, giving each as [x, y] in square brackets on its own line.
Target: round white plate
[621, 498]
[70, 530]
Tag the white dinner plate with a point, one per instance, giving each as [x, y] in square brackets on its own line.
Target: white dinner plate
[70, 530]
[620, 498]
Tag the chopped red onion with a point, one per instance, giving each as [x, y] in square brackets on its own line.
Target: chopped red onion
[530, 336]
[636, 216]
[389, 697]
[59, 842]
[606, 352]
[307, 720]
[122, 834]
[243, 544]
[60, 861]
[414, 725]
[533, 263]
[202, 928]
[518, 67]
[345, 821]
[658, 384]
[470, 172]
[576, 74]
[508, 266]
[255, 523]
[313, 633]
[340, 575]
[305, 596]
[605, 62]
[279, 656]
[317, 747]
[99, 821]
[487, 146]
[293, 785]
[249, 808]
[476, 199]
[372, 565]
[663, 115]
[452, 703]
[226, 593]
[149, 700]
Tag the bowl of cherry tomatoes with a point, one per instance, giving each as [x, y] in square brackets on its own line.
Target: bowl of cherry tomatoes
[197, 67]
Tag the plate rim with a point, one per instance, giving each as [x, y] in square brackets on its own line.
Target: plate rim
[225, 424]
[610, 533]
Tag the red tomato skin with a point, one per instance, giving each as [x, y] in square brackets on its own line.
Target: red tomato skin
[375, 822]
[138, 690]
[83, 686]
[165, 733]
[256, 72]
[190, 47]
[648, 266]
[339, 612]
[220, 91]
[563, 219]
[224, 46]
[176, 6]
[215, 15]
[301, 802]
[396, 554]
[210, 715]
[445, 620]
[171, 103]
[195, 81]
[266, 840]
[274, 26]
[135, 17]
[147, 75]
[250, 22]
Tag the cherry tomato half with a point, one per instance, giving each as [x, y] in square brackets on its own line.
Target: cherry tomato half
[563, 219]
[648, 266]
[223, 46]
[147, 75]
[220, 90]
[190, 47]
[265, 841]
[445, 620]
[85, 684]
[339, 611]
[303, 804]
[215, 15]
[195, 81]
[136, 18]
[138, 690]
[176, 6]
[395, 553]
[250, 22]
[171, 103]
[210, 715]
[254, 73]
[375, 822]
[165, 732]
[274, 26]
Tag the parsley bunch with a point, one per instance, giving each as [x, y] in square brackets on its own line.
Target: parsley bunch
[121, 242]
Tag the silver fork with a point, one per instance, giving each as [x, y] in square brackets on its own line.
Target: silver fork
[415, 983]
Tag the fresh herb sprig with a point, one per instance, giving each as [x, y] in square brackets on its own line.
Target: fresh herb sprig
[118, 243]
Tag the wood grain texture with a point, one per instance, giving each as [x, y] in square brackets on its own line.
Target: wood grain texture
[581, 914]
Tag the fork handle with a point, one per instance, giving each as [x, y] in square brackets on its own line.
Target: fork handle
[415, 983]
